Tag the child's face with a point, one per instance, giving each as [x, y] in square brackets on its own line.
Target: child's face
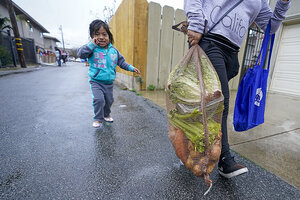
[101, 37]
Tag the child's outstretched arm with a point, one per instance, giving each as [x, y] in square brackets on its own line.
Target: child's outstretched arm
[124, 65]
[86, 50]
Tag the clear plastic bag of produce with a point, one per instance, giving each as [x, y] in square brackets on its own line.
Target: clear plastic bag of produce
[194, 110]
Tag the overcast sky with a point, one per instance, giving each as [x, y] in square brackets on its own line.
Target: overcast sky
[74, 16]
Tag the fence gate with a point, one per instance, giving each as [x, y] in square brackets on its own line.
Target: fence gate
[29, 50]
[253, 45]
[8, 42]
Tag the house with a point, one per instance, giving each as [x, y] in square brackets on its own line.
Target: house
[50, 43]
[30, 30]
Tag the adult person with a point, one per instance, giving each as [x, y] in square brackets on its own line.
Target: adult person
[221, 41]
[58, 56]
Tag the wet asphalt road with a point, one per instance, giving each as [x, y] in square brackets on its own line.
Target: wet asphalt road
[49, 150]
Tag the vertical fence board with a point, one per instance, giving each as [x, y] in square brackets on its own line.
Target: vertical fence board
[178, 39]
[140, 38]
[122, 28]
[154, 20]
[165, 46]
[186, 44]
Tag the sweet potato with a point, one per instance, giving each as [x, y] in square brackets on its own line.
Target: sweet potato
[171, 133]
[215, 152]
[195, 154]
[189, 163]
[179, 144]
[210, 167]
[197, 170]
[191, 146]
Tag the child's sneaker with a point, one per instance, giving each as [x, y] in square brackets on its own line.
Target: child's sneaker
[97, 124]
[229, 168]
[109, 119]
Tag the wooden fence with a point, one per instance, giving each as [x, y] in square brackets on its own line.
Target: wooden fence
[129, 28]
[165, 46]
[143, 34]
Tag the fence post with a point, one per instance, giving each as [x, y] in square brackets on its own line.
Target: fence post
[178, 39]
[12, 49]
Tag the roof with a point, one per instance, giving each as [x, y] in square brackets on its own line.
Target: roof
[51, 38]
[19, 11]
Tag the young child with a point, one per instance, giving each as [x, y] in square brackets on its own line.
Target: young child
[103, 58]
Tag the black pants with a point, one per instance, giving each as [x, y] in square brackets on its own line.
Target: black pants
[225, 61]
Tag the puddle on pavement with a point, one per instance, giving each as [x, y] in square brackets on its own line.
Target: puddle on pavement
[157, 96]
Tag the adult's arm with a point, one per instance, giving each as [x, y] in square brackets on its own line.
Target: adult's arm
[276, 17]
[194, 13]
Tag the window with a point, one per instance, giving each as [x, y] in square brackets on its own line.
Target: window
[41, 35]
[30, 27]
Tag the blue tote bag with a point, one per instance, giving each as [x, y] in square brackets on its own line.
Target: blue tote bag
[251, 96]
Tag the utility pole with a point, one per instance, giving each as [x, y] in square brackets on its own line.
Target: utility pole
[62, 36]
[16, 33]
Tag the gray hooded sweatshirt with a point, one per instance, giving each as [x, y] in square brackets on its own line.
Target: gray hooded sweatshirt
[235, 24]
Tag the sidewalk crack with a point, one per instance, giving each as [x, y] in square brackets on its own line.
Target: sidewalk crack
[264, 137]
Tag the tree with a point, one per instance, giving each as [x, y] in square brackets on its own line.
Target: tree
[109, 11]
[5, 57]
[73, 53]
[3, 21]
[15, 28]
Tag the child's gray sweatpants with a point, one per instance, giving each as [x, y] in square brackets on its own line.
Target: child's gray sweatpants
[102, 99]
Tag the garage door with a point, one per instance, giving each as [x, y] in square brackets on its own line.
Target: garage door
[286, 77]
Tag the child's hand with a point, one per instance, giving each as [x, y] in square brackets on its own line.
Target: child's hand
[96, 41]
[136, 70]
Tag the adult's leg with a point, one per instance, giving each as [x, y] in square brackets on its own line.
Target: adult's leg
[225, 65]
[216, 56]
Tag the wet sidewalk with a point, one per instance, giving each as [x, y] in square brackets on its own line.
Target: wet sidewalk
[273, 145]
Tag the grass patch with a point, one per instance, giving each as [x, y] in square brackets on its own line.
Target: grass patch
[151, 87]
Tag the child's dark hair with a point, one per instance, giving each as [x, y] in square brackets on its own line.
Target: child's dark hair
[96, 25]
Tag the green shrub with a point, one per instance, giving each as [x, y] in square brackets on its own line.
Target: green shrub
[133, 90]
[5, 56]
[139, 94]
[151, 87]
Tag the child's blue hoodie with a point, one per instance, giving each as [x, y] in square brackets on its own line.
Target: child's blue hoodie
[103, 62]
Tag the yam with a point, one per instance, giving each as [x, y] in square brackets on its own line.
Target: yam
[197, 170]
[215, 152]
[171, 133]
[210, 167]
[195, 154]
[189, 163]
[191, 146]
[180, 145]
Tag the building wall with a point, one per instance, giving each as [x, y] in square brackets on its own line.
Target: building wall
[49, 44]
[24, 28]
[28, 30]
[3, 11]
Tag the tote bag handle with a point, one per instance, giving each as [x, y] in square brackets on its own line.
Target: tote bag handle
[264, 49]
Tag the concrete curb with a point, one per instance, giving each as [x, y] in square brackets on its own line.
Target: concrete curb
[5, 73]
[23, 70]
